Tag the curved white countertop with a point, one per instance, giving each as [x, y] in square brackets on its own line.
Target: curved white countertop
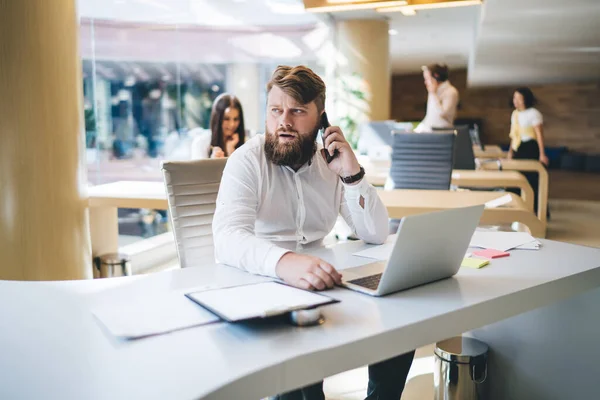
[52, 346]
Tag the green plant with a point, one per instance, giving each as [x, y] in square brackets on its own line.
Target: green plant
[90, 119]
[352, 105]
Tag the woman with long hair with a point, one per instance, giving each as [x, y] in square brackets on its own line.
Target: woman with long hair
[527, 134]
[226, 125]
[227, 130]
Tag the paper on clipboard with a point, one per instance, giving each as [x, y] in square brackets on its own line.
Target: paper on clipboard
[259, 300]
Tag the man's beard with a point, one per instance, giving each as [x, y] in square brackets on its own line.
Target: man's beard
[292, 153]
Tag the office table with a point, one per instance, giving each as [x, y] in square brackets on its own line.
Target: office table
[491, 151]
[404, 202]
[55, 348]
[528, 166]
[481, 179]
[494, 179]
[104, 200]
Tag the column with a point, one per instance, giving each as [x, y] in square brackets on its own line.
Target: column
[363, 54]
[243, 82]
[44, 231]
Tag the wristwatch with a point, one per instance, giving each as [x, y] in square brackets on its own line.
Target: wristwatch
[354, 178]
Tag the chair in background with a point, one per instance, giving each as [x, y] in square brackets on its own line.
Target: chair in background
[464, 158]
[192, 188]
[422, 160]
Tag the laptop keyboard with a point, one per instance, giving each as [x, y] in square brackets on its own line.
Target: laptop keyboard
[369, 282]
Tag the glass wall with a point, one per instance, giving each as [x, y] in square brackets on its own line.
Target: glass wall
[152, 68]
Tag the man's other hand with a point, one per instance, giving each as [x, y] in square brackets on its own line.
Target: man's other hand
[307, 272]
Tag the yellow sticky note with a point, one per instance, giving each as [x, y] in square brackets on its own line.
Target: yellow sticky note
[474, 262]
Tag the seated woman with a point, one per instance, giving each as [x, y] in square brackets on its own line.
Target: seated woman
[227, 129]
[527, 134]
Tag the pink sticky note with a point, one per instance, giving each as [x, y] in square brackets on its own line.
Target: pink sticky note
[491, 253]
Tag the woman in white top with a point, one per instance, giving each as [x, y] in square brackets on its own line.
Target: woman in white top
[527, 134]
[527, 128]
[227, 129]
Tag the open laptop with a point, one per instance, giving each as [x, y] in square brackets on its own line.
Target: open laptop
[428, 247]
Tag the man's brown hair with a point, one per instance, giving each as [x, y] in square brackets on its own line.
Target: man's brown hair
[301, 83]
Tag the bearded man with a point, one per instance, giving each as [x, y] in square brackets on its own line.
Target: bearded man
[279, 195]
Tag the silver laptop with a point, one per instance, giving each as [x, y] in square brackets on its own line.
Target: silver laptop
[428, 247]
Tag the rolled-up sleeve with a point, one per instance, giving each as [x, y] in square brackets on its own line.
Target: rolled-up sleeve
[233, 225]
[369, 223]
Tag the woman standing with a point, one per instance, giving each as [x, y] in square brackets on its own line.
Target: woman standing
[527, 128]
[527, 134]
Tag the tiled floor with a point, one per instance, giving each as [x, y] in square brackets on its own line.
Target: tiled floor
[352, 385]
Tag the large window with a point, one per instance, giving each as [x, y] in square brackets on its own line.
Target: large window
[152, 68]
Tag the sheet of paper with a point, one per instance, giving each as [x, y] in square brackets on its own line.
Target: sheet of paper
[535, 245]
[502, 241]
[152, 316]
[256, 300]
[500, 201]
[380, 253]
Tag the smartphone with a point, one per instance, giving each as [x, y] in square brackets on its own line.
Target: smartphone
[325, 125]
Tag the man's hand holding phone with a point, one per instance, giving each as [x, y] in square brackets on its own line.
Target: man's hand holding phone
[345, 163]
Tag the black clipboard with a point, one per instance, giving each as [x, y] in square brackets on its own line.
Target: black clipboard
[246, 302]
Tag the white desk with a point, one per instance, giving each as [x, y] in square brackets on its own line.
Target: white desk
[104, 200]
[52, 345]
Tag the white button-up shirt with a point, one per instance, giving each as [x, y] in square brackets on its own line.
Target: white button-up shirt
[265, 210]
[441, 108]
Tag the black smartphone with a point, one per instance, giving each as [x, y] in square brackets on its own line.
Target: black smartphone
[325, 125]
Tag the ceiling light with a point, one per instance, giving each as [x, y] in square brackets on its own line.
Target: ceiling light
[285, 6]
[415, 5]
[322, 6]
[393, 32]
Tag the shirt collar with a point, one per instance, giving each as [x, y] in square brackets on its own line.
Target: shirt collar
[313, 162]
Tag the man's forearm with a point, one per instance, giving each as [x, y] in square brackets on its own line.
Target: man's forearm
[242, 249]
[367, 214]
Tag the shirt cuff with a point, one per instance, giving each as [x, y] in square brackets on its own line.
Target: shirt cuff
[357, 190]
[272, 258]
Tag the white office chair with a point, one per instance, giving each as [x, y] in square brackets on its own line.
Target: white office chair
[192, 188]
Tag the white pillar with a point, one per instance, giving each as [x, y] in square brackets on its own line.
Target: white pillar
[243, 81]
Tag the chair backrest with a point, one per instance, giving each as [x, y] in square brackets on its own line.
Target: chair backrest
[422, 160]
[464, 158]
[192, 188]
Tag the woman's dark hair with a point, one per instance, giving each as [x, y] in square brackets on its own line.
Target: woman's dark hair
[439, 72]
[221, 103]
[528, 97]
